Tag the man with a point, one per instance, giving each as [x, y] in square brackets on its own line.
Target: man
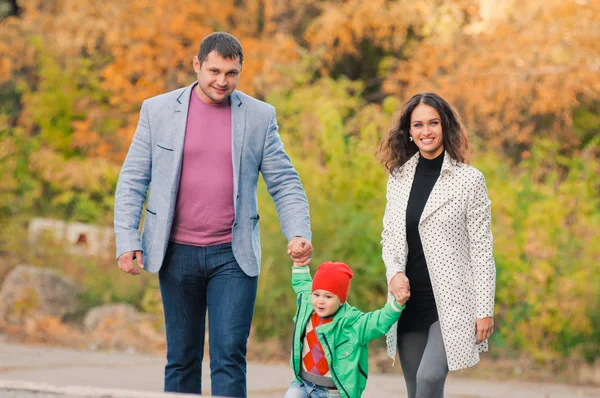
[199, 150]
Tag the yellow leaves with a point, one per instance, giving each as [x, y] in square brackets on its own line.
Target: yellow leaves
[515, 70]
[89, 141]
[342, 27]
[264, 61]
[546, 245]
[531, 62]
[90, 175]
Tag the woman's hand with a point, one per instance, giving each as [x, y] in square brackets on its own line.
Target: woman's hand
[484, 328]
[398, 287]
[403, 298]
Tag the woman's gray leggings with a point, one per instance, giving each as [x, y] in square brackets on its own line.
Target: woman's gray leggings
[423, 360]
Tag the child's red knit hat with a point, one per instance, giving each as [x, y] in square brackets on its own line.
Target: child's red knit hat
[333, 277]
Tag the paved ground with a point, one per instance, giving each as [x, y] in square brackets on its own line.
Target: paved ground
[49, 372]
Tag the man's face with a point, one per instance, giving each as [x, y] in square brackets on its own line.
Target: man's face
[217, 77]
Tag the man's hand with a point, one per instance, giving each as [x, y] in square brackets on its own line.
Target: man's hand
[399, 285]
[126, 263]
[300, 250]
[484, 328]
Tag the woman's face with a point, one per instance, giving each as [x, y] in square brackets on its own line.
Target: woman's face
[426, 131]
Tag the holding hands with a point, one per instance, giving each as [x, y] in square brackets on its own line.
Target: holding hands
[402, 296]
[399, 288]
[300, 250]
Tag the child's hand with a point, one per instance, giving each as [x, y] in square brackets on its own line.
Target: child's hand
[300, 250]
[403, 296]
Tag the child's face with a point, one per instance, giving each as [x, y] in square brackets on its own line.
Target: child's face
[325, 303]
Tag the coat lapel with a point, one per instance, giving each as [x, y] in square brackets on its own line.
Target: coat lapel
[180, 112]
[238, 127]
[439, 195]
[408, 170]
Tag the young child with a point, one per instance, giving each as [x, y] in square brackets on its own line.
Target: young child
[330, 341]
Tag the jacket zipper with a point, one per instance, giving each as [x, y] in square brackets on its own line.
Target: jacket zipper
[294, 335]
[331, 366]
[362, 371]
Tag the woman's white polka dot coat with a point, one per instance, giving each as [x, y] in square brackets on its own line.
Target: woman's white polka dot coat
[455, 230]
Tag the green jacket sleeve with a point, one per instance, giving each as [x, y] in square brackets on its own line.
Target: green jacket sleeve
[377, 323]
[301, 280]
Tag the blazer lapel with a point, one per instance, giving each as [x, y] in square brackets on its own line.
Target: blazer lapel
[180, 112]
[439, 194]
[238, 127]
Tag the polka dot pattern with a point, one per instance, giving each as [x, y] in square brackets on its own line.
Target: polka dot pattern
[455, 230]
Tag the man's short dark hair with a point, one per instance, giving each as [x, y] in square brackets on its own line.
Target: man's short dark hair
[226, 45]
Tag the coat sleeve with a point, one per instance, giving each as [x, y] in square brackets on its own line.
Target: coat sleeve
[132, 187]
[480, 247]
[389, 237]
[284, 186]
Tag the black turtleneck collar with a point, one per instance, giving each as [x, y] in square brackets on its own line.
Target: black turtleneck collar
[431, 166]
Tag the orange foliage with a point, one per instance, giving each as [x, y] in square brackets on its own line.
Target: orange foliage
[514, 78]
[139, 49]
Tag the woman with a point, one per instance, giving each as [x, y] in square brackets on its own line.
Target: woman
[437, 236]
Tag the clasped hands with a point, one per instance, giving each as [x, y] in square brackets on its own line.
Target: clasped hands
[300, 250]
[399, 288]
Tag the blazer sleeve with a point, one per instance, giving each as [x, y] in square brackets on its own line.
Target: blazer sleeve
[132, 187]
[284, 186]
[481, 252]
[390, 240]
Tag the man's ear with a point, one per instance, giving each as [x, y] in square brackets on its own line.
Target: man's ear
[196, 64]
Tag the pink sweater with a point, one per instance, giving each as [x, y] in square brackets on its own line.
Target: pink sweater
[204, 214]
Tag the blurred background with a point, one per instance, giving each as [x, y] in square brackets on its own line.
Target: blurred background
[524, 74]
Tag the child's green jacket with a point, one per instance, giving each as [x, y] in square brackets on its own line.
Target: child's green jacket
[344, 340]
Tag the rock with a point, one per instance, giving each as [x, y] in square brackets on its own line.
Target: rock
[590, 374]
[30, 292]
[121, 327]
[122, 314]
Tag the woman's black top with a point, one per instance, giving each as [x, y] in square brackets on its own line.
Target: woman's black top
[420, 311]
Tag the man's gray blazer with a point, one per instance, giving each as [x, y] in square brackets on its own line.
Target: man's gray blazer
[154, 162]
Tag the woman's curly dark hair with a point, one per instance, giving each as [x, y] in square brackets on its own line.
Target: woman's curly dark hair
[397, 148]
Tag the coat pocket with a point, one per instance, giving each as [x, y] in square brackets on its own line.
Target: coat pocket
[344, 349]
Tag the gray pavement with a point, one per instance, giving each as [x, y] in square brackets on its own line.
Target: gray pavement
[51, 372]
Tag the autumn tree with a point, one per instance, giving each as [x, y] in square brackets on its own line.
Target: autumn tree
[73, 74]
[532, 71]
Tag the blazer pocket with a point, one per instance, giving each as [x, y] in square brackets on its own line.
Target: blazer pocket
[162, 162]
[164, 147]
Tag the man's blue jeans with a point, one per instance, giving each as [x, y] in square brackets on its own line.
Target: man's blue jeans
[192, 280]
